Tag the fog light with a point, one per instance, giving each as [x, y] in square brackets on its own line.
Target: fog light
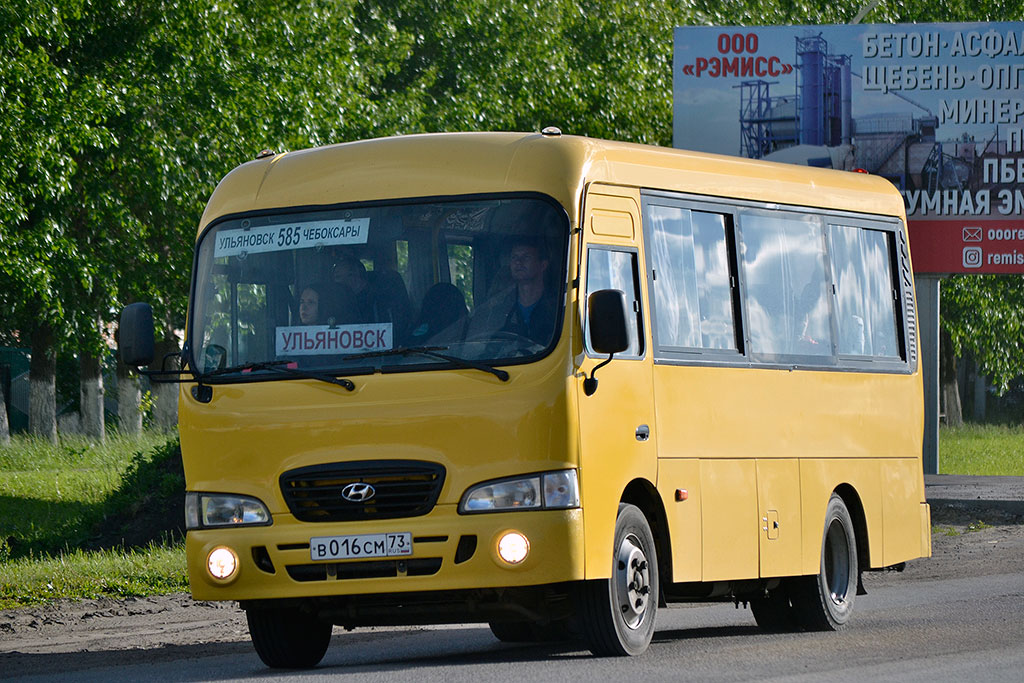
[222, 563]
[513, 547]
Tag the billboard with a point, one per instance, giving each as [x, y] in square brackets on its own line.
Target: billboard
[938, 109]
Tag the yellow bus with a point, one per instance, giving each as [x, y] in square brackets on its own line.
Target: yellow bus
[545, 382]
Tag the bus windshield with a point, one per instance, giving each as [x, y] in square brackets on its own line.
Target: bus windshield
[358, 289]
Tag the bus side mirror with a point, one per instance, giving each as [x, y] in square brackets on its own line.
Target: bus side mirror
[135, 335]
[606, 320]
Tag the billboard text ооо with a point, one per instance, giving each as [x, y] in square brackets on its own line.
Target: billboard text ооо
[935, 108]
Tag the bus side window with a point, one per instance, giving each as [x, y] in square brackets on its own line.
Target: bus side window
[617, 269]
[867, 305]
[788, 287]
[691, 279]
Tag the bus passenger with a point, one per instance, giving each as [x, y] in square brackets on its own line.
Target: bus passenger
[375, 297]
[318, 306]
[309, 305]
[442, 318]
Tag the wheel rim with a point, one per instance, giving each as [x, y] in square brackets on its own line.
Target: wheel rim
[837, 562]
[632, 581]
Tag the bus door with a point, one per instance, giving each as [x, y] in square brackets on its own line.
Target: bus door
[617, 421]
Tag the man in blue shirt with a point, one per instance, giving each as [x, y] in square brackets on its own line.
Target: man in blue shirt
[533, 313]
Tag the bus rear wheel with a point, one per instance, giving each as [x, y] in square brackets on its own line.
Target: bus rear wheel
[287, 638]
[617, 614]
[825, 602]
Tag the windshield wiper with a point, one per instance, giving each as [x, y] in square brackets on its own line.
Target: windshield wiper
[282, 366]
[432, 352]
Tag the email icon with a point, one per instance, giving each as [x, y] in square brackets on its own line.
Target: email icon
[972, 234]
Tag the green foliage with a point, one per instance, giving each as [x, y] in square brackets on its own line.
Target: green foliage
[769, 12]
[83, 520]
[147, 404]
[148, 506]
[983, 315]
[53, 496]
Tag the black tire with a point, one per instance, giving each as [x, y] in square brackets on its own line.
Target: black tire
[774, 612]
[825, 602]
[287, 638]
[617, 615]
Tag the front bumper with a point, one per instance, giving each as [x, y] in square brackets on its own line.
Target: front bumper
[274, 561]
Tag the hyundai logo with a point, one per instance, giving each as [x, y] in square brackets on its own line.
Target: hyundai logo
[358, 492]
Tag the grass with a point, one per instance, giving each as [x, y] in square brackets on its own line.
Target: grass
[115, 573]
[982, 450]
[52, 495]
[69, 518]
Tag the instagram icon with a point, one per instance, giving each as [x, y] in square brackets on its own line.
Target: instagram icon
[972, 257]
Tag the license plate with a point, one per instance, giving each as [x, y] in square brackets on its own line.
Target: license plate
[359, 546]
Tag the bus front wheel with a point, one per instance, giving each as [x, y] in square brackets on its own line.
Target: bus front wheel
[617, 614]
[825, 602]
[287, 638]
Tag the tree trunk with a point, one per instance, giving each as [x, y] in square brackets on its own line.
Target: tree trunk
[129, 400]
[91, 396]
[5, 429]
[950, 387]
[165, 394]
[42, 376]
[980, 396]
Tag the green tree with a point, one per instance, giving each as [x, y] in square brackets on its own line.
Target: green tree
[48, 115]
[983, 316]
[122, 119]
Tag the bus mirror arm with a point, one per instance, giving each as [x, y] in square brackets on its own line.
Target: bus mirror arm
[606, 320]
[590, 383]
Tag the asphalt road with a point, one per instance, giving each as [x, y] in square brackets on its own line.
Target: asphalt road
[955, 629]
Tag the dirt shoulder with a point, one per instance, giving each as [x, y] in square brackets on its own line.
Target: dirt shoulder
[108, 624]
[140, 630]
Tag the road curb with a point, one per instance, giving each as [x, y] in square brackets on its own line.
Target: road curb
[962, 499]
[958, 511]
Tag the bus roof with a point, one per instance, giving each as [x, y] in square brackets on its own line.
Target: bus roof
[448, 164]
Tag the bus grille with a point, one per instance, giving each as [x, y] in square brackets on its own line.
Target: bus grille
[401, 488]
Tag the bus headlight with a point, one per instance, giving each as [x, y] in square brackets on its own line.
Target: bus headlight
[548, 491]
[204, 510]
